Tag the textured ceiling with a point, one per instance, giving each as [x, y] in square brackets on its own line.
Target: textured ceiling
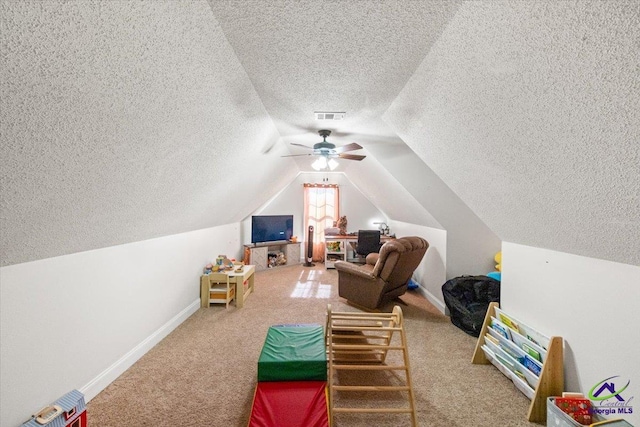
[386, 193]
[306, 56]
[530, 113]
[124, 121]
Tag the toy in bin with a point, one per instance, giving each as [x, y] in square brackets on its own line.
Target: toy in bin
[70, 410]
[574, 410]
[576, 406]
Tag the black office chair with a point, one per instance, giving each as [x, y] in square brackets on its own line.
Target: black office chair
[368, 242]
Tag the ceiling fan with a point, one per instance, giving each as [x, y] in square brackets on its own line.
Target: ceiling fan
[327, 151]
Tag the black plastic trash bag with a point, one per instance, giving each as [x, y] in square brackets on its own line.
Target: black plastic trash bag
[468, 298]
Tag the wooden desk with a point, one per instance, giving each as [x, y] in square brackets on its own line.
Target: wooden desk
[337, 247]
[230, 278]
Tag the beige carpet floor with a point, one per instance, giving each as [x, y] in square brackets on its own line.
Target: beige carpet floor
[204, 372]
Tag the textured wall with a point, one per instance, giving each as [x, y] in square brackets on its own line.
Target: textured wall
[124, 121]
[529, 112]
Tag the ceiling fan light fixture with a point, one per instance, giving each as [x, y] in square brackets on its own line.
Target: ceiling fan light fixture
[320, 163]
[326, 151]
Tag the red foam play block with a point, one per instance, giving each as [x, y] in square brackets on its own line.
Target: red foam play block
[290, 404]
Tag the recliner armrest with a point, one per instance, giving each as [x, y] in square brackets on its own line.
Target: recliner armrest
[372, 258]
[356, 270]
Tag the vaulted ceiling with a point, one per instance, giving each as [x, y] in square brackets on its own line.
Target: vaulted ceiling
[125, 121]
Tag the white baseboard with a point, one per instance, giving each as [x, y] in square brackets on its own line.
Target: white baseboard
[433, 300]
[106, 377]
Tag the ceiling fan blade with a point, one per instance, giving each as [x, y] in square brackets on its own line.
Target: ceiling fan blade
[351, 156]
[301, 145]
[349, 147]
[297, 155]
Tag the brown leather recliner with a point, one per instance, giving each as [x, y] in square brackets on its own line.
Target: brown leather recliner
[385, 275]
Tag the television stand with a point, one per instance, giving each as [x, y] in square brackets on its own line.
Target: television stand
[258, 254]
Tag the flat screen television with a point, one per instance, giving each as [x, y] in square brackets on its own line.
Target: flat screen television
[271, 228]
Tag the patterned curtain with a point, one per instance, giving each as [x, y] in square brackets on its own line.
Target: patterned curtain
[321, 209]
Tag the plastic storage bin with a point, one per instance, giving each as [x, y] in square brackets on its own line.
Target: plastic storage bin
[557, 418]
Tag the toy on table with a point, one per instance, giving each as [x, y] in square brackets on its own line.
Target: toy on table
[222, 263]
[341, 223]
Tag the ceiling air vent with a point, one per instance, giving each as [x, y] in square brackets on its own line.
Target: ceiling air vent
[330, 115]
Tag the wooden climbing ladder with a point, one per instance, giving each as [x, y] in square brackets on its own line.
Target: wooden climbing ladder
[363, 342]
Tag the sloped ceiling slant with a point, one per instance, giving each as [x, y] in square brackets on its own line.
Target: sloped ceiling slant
[123, 122]
[529, 113]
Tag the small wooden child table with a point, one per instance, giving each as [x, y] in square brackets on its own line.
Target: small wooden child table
[224, 286]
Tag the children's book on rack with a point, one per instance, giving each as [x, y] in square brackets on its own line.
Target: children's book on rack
[512, 349]
[509, 322]
[526, 338]
[531, 364]
[531, 351]
[512, 358]
[501, 328]
[525, 331]
[534, 362]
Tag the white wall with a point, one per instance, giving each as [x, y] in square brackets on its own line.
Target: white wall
[432, 271]
[472, 244]
[80, 320]
[360, 212]
[592, 303]
[287, 201]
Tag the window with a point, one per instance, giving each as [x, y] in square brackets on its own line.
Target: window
[321, 209]
[70, 413]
